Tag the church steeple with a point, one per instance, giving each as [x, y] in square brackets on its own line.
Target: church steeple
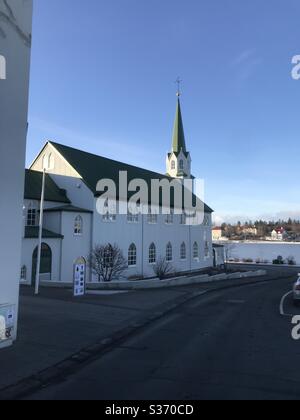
[179, 160]
[178, 132]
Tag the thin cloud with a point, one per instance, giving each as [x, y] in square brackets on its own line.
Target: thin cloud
[108, 147]
[246, 64]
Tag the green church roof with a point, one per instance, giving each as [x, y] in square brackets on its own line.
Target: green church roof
[32, 232]
[93, 168]
[33, 188]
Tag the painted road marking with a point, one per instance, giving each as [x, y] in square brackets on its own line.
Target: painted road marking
[236, 301]
[281, 308]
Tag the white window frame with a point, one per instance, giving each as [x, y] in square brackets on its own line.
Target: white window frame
[108, 217]
[31, 215]
[132, 218]
[132, 256]
[173, 165]
[152, 218]
[152, 254]
[183, 252]
[170, 218]
[183, 219]
[78, 226]
[196, 251]
[169, 252]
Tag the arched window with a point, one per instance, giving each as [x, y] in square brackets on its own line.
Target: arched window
[152, 254]
[45, 162]
[132, 256]
[169, 252]
[50, 161]
[31, 215]
[183, 251]
[181, 165]
[196, 251]
[78, 226]
[173, 165]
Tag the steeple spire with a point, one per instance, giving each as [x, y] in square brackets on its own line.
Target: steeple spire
[178, 132]
[179, 160]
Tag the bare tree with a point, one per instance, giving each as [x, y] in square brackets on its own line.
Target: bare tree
[107, 262]
[162, 268]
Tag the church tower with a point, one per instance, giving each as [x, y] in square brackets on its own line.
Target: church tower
[179, 161]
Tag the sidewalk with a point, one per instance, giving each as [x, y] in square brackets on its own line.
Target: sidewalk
[57, 330]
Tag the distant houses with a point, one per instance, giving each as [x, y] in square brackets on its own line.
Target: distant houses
[279, 234]
[217, 234]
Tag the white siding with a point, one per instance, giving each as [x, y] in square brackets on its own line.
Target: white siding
[74, 247]
[60, 165]
[13, 128]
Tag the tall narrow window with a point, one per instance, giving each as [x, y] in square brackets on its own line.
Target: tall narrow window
[169, 252]
[183, 219]
[132, 217]
[152, 254]
[78, 226]
[24, 273]
[31, 215]
[183, 251]
[181, 165]
[173, 165]
[170, 218]
[50, 162]
[45, 162]
[132, 256]
[108, 215]
[196, 251]
[152, 217]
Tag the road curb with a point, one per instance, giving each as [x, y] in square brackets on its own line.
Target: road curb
[59, 372]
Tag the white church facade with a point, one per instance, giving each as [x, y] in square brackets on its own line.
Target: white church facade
[73, 227]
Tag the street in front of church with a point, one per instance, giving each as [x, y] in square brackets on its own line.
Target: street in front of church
[61, 336]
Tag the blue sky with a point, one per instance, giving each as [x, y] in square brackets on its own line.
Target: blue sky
[103, 77]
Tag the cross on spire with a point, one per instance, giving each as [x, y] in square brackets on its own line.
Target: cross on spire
[178, 82]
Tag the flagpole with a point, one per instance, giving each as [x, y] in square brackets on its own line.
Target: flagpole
[39, 253]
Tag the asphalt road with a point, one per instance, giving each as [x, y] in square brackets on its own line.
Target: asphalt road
[227, 345]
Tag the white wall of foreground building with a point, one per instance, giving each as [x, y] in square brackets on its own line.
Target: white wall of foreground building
[15, 41]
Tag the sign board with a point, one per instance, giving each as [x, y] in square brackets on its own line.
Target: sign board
[79, 278]
[15, 47]
[7, 322]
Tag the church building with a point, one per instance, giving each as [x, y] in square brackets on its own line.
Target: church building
[73, 227]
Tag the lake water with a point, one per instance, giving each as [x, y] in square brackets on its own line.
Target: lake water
[264, 250]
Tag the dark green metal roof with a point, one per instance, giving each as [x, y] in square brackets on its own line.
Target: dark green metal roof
[32, 232]
[93, 168]
[178, 132]
[68, 209]
[33, 188]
